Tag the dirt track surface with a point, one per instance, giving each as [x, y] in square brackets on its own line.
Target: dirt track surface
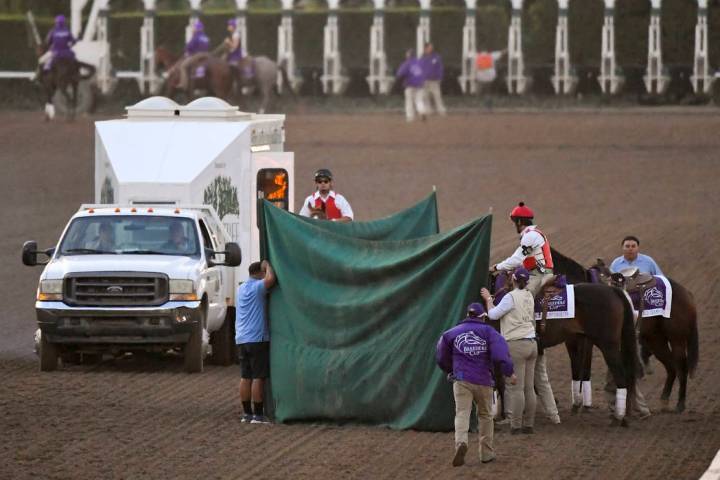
[591, 178]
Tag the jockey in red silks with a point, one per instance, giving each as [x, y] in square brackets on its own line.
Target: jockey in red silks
[533, 252]
[335, 206]
[58, 44]
[197, 49]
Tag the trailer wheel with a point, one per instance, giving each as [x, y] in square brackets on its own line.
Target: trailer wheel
[222, 340]
[194, 348]
[48, 355]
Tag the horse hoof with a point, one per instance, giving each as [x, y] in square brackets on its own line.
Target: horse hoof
[587, 408]
[575, 409]
[624, 423]
[680, 408]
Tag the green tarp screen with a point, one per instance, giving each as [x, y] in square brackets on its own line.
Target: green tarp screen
[420, 220]
[354, 322]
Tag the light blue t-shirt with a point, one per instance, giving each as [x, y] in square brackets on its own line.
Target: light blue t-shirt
[250, 324]
[643, 263]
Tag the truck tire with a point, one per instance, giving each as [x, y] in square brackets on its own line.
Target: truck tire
[48, 355]
[194, 349]
[222, 341]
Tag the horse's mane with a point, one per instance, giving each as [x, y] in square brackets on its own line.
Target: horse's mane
[562, 264]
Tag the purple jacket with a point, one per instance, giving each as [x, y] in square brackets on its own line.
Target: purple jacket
[411, 71]
[60, 42]
[432, 66]
[199, 43]
[469, 351]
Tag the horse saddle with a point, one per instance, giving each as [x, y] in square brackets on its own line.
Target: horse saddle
[633, 280]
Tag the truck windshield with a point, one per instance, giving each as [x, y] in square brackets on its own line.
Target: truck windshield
[136, 234]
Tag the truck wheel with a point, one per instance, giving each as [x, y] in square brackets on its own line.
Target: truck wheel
[222, 341]
[48, 355]
[194, 350]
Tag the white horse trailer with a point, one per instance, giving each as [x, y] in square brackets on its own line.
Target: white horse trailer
[203, 153]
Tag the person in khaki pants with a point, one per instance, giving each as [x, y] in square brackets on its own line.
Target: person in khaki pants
[468, 353]
[517, 325]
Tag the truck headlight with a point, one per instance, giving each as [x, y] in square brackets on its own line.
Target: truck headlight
[182, 290]
[50, 290]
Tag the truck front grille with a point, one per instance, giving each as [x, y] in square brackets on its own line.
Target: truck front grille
[120, 289]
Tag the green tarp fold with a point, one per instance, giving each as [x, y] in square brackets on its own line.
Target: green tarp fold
[354, 322]
[420, 220]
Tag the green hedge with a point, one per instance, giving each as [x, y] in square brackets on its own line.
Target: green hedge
[493, 16]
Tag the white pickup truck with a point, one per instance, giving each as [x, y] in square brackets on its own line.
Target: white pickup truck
[137, 277]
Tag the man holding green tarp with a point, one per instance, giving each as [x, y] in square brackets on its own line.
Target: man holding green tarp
[354, 322]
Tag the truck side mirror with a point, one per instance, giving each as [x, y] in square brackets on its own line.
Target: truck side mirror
[233, 255]
[30, 253]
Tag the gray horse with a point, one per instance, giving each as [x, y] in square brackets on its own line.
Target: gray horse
[261, 74]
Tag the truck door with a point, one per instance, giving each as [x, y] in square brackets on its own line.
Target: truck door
[274, 181]
[214, 283]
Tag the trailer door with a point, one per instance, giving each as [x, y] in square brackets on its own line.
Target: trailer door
[273, 180]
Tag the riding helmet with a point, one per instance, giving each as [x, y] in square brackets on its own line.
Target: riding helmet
[232, 23]
[323, 173]
[60, 20]
[521, 211]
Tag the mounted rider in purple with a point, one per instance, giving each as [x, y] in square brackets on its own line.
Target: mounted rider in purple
[59, 42]
[196, 50]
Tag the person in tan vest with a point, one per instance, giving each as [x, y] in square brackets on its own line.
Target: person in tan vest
[517, 325]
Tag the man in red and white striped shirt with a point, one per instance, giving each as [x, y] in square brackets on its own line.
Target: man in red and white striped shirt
[325, 199]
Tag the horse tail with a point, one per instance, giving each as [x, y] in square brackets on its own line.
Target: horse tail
[90, 68]
[285, 78]
[628, 340]
[693, 345]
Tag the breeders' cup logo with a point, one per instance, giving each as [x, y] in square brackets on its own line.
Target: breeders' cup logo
[654, 298]
[556, 302]
[469, 343]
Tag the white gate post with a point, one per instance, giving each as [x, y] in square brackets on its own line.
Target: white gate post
[469, 49]
[564, 82]
[610, 80]
[378, 79]
[333, 81]
[194, 17]
[241, 22]
[701, 79]
[76, 8]
[516, 80]
[148, 81]
[104, 71]
[286, 53]
[655, 80]
[422, 34]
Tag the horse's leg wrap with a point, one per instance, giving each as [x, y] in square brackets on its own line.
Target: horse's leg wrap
[586, 393]
[50, 110]
[576, 398]
[620, 402]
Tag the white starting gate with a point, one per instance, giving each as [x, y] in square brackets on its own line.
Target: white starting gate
[286, 51]
[517, 82]
[378, 79]
[469, 49]
[422, 33]
[701, 79]
[610, 80]
[564, 81]
[656, 81]
[333, 81]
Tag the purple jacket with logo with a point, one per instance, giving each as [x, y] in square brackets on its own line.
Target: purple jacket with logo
[469, 351]
[411, 71]
[199, 43]
[432, 66]
[60, 42]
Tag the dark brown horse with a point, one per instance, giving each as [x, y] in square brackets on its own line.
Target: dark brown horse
[674, 341]
[64, 74]
[603, 318]
[217, 80]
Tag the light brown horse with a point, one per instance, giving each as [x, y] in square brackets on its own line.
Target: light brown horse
[674, 341]
[217, 81]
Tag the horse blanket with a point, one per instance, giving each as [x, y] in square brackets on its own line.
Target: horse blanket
[658, 299]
